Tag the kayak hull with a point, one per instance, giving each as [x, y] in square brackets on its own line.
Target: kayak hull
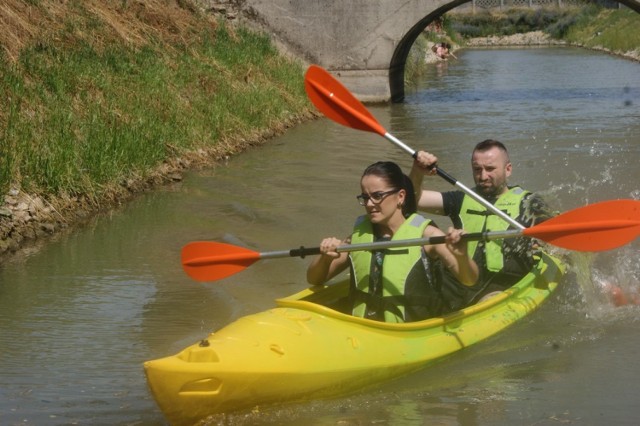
[302, 349]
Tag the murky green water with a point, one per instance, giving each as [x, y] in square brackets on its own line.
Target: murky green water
[80, 315]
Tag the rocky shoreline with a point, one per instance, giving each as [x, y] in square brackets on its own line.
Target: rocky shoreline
[28, 219]
[539, 38]
[534, 38]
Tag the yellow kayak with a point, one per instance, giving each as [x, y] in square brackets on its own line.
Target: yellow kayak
[302, 349]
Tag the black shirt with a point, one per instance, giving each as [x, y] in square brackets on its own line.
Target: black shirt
[518, 252]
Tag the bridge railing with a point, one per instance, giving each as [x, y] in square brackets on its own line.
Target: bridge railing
[534, 4]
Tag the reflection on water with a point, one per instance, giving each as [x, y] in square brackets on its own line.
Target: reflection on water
[79, 316]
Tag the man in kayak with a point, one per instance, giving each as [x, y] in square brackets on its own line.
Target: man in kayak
[502, 263]
[394, 285]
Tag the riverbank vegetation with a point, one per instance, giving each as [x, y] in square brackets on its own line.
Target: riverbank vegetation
[552, 20]
[590, 25]
[616, 30]
[102, 98]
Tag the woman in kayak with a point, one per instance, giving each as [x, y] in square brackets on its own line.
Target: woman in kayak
[394, 285]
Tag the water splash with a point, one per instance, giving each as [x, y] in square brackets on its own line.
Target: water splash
[607, 280]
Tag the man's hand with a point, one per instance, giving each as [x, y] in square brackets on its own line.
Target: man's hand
[426, 161]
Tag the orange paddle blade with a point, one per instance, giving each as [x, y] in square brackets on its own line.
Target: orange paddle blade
[337, 103]
[209, 261]
[596, 227]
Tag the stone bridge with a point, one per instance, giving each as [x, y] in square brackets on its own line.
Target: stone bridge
[363, 42]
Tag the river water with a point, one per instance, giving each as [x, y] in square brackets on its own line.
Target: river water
[80, 314]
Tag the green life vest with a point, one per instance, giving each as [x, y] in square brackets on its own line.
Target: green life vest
[476, 218]
[397, 265]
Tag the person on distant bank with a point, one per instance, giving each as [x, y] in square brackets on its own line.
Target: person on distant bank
[400, 284]
[501, 262]
[442, 50]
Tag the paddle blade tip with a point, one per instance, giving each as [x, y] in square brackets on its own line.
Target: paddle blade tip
[210, 261]
[602, 226]
[337, 103]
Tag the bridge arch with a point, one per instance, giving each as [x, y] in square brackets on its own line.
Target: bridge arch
[363, 42]
[400, 54]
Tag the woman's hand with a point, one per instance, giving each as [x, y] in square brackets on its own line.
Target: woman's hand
[329, 263]
[328, 247]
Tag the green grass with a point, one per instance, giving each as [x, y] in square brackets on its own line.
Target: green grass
[617, 30]
[80, 118]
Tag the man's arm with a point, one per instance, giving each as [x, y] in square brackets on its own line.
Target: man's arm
[428, 201]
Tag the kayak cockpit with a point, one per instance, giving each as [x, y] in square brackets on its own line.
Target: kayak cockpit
[331, 299]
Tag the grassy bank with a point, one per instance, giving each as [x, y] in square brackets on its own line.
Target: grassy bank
[101, 93]
[616, 30]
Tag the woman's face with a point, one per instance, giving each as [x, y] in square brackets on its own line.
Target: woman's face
[383, 200]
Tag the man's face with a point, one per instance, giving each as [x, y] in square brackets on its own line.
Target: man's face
[491, 168]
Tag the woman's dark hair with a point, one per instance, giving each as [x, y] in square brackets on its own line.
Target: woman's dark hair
[392, 174]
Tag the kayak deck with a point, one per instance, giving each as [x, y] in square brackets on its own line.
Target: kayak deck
[304, 349]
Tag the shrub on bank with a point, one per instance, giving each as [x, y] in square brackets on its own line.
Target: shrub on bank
[589, 25]
[520, 20]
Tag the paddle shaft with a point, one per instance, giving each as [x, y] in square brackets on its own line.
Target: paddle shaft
[455, 182]
[339, 104]
[542, 232]
[440, 239]
[312, 251]
[380, 245]
[597, 227]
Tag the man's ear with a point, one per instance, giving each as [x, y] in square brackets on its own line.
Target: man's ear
[507, 169]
